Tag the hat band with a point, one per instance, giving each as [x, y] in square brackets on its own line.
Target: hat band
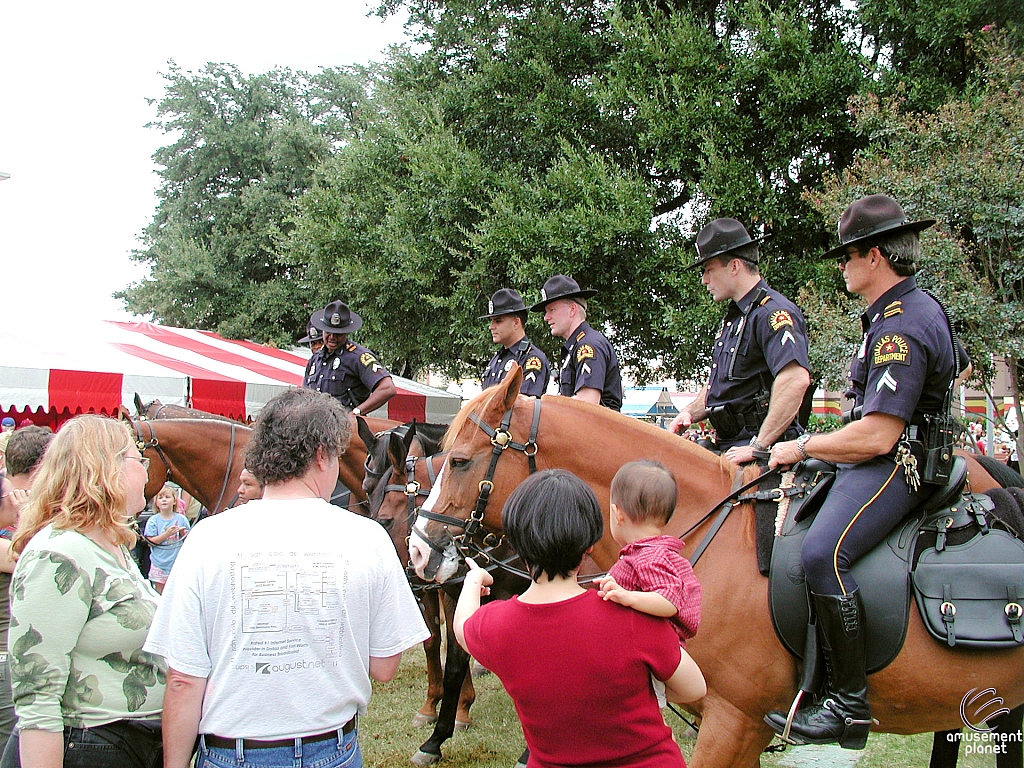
[742, 240]
[875, 229]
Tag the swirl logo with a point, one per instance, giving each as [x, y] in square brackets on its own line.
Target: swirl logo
[978, 707]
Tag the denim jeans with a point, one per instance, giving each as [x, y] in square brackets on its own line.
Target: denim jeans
[333, 753]
[124, 744]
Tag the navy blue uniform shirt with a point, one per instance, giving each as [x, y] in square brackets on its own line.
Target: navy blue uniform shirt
[588, 360]
[350, 374]
[533, 362]
[761, 334]
[905, 362]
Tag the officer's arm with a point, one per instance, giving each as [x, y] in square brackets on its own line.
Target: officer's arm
[874, 435]
[964, 376]
[589, 394]
[786, 398]
[383, 392]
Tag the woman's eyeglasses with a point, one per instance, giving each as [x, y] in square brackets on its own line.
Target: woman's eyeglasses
[144, 461]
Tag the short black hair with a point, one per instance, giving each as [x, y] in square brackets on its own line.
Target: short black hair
[551, 520]
[289, 431]
[26, 448]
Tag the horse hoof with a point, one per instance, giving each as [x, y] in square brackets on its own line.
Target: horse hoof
[462, 725]
[422, 759]
[421, 720]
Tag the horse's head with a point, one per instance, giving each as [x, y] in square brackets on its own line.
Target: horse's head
[146, 441]
[486, 461]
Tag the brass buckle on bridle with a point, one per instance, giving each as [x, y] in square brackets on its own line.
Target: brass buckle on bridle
[501, 438]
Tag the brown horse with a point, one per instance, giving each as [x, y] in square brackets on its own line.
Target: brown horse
[748, 671]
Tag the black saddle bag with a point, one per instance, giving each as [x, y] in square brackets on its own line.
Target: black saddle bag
[969, 578]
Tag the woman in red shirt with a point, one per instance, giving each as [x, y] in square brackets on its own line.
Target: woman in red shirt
[578, 668]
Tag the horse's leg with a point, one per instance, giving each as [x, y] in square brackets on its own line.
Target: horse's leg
[456, 669]
[728, 738]
[430, 605]
[467, 694]
[1012, 755]
[945, 749]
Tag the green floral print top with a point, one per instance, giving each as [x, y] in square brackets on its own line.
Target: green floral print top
[78, 622]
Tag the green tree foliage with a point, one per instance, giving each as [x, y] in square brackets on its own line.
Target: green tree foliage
[244, 148]
[963, 165]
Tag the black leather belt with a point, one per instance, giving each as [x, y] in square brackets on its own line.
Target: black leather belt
[221, 742]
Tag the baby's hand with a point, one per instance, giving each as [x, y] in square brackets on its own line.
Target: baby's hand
[610, 590]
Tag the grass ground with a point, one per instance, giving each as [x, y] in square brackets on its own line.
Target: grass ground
[495, 739]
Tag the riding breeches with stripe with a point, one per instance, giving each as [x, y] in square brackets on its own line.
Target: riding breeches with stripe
[864, 504]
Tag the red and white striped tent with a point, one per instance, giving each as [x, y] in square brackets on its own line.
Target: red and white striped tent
[98, 368]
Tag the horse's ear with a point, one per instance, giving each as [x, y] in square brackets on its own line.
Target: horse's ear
[139, 409]
[368, 438]
[511, 383]
[410, 435]
[397, 449]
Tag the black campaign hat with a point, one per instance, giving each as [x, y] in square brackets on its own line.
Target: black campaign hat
[720, 237]
[505, 301]
[560, 287]
[870, 217]
[336, 317]
[312, 332]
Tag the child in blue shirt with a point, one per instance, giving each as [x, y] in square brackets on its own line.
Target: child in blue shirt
[165, 532]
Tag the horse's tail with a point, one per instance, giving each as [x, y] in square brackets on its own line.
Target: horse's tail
[1002, 474]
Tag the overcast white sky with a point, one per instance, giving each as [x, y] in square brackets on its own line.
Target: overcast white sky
[74, 79]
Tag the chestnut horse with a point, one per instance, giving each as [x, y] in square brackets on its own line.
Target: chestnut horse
[748, 671]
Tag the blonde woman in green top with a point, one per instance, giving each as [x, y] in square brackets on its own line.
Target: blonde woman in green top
[85, 692]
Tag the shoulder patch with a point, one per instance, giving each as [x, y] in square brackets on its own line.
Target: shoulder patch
[896, 308]
[367, 359]
[780, 318]
[580, 335]
[584, 352]
[891, 348]
[532, 363]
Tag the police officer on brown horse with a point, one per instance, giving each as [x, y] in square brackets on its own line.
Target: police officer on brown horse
[343, 369]
[507, 314]
[901, 380]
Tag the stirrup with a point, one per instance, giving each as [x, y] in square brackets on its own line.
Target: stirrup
[793, 708]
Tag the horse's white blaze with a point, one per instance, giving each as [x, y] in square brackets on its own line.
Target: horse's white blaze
[419, 551]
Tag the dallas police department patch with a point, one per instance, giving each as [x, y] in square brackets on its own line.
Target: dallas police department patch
[780, 318]
[367, 359]
[891, 348]
[532, 363]
[584, 352]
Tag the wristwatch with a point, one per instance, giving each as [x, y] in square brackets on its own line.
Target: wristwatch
[801, 444]
[757, 446]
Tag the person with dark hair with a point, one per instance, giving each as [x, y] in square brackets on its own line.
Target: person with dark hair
[279, 614]
[901, 381]
[589, 369]
[651, 574]
[760, 368]
[343, 369]
[249, 487]
[558, 644]
[314, 336]
[507, 314]
[25, 450]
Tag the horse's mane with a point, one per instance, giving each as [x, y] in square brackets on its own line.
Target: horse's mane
[477, 405]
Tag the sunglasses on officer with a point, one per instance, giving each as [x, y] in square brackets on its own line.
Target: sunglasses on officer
[845, 258]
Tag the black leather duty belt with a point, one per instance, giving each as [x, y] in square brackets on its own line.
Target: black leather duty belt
[221, 742]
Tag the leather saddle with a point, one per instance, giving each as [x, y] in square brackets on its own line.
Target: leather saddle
[884, 574]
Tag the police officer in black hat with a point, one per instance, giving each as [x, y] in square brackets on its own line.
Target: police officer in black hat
[313, 337]
[902, 379]
[507, 314]
[343, 369]
[760, 368]
[589, 368]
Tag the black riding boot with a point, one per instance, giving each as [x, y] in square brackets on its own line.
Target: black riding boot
[843, 715]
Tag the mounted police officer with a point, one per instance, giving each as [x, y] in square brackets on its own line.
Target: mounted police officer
[902, 380]
[343, 369]
[313, 337]
[507, 314]
[589, 368]
[760, 369]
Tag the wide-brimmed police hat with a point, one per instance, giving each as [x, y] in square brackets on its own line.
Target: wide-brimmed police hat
[505, 301]
[720, 237]
[560, 287]
[312, 332]
[336, 317]
[871, 217]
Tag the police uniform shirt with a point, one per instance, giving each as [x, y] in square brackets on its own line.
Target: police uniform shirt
[533, 362]
[349, 374]
[588, 360]
[760, 335]
[905, 361]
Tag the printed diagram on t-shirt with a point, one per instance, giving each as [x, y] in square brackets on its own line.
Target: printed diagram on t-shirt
[291, 594]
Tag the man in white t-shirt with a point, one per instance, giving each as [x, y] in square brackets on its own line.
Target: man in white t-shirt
[279, 613]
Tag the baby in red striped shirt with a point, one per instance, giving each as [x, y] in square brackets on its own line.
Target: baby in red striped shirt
[651, 575]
